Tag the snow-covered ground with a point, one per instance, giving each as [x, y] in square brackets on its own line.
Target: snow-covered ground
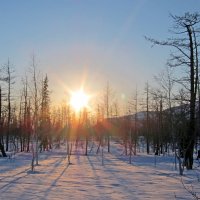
[90, 178]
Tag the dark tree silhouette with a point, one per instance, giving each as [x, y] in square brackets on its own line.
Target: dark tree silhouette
[185, 42]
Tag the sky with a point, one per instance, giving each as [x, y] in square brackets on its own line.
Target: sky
[88, 42]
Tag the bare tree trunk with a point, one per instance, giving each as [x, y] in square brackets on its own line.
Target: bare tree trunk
[1, 145]
[147, 117]
[136, 122]
[193, 88]
[28, 126]
[36, 107]
[130, 147]
[9, 104]
[107, 105]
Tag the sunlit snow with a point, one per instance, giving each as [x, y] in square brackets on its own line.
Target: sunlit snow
[148, 177]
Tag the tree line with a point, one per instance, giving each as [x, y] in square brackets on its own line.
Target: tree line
[166, 117]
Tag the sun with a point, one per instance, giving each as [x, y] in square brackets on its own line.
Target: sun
[79, 100]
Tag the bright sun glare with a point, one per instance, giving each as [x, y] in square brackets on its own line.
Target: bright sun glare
[79, 100]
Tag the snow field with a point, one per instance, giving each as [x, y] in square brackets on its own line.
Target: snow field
[87, 178]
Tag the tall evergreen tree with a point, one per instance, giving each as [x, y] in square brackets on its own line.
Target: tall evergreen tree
[45, 115]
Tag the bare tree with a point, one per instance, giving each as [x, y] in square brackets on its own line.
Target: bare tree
[108, 102]
[185, 43]
[35, 95]
[134, 127]
[147, 130]
[165, 81]
[9, 80]
[1, 128]
[158, 102]
[99, 126]
[25, 116]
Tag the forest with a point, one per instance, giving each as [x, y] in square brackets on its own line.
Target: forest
[166, 116]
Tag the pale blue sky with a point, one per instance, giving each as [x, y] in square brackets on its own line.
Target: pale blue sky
[94, 40]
